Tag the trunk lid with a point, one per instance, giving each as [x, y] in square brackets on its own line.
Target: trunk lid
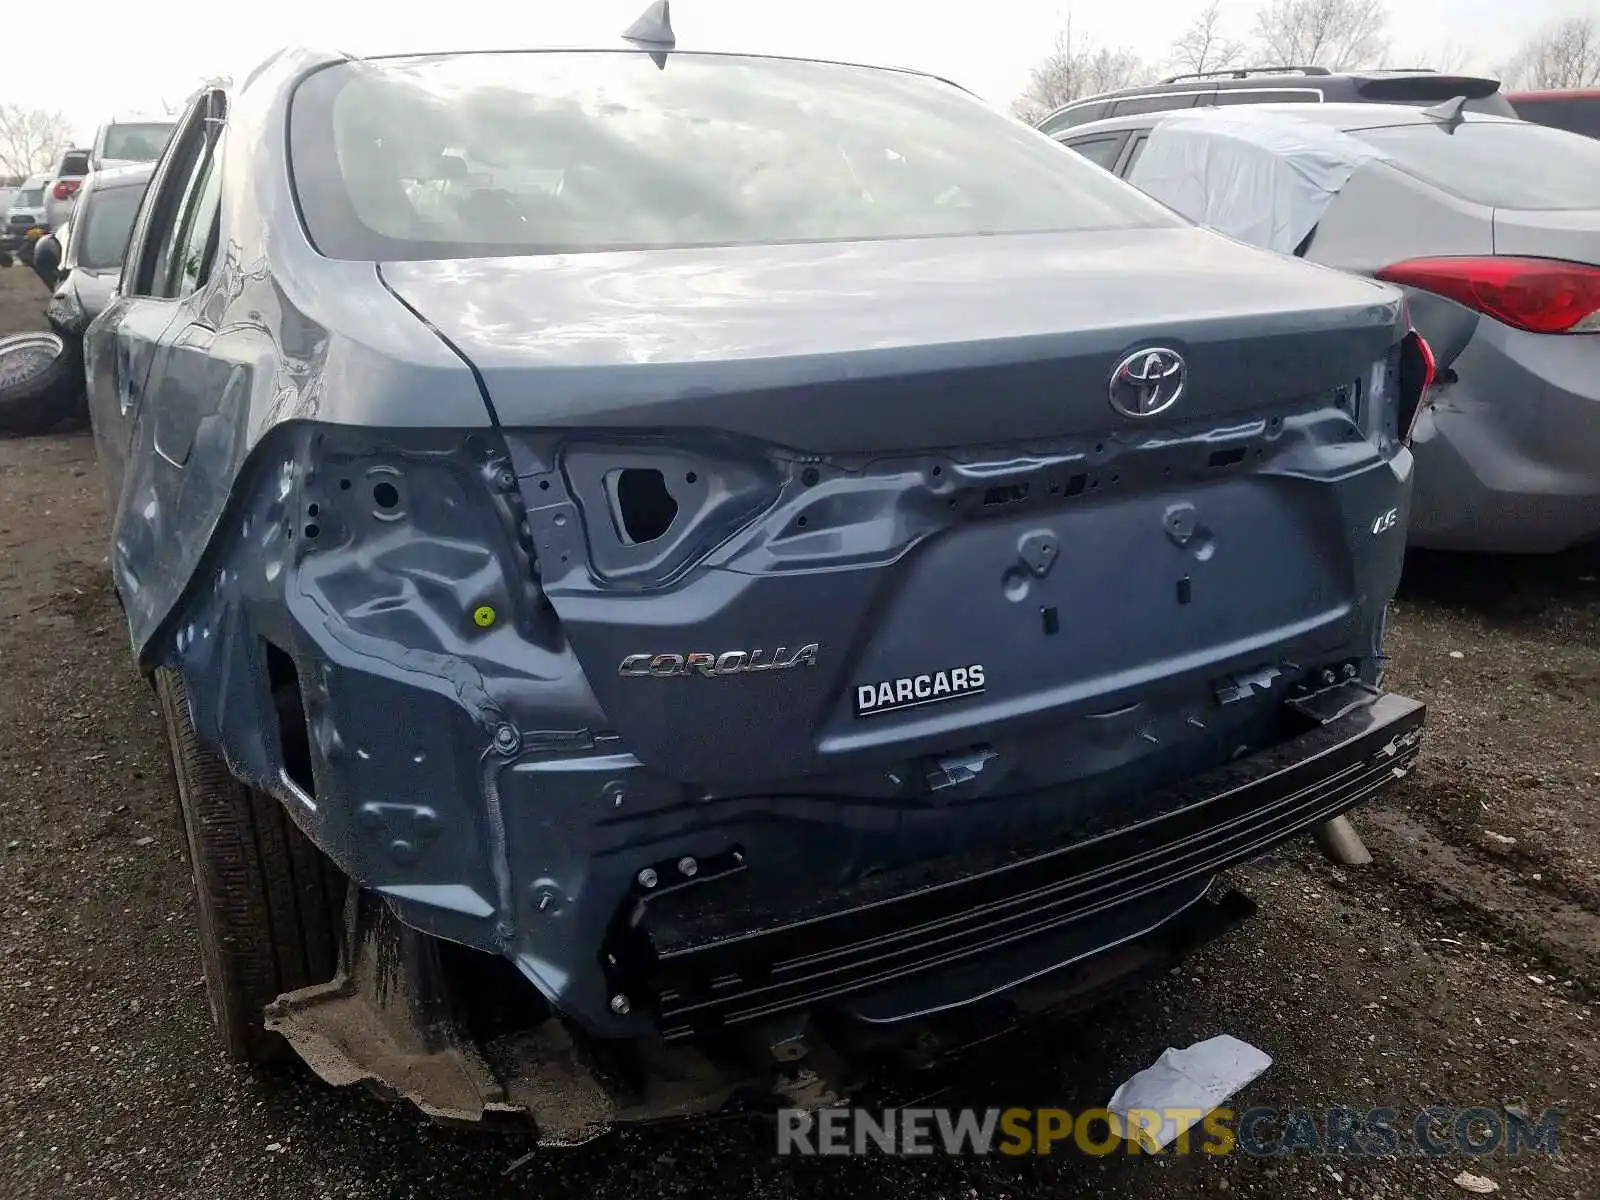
[872, 346]
[1566, 234]
[863, 518]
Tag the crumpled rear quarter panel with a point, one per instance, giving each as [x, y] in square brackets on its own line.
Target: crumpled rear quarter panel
[281, 335]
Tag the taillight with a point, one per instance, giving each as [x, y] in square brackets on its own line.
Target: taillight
[1418, 367]
[65, 189]
[1540, 295]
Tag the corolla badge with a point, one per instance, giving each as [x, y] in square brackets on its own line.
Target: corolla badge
[1148, 382]
[712, 665]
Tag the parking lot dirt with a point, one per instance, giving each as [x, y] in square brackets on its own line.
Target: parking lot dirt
[1460, 969]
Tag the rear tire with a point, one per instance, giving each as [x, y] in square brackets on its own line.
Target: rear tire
[268, 903]
[40, 384]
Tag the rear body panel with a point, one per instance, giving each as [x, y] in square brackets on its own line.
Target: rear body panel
[1051, 608]
[1509, 449]
[533, 585]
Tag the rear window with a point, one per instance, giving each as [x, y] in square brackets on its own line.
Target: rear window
[28, 198]
[76, 163]
[102, 237]
[550, 152]
[136, 142]
[1576, 114]
[1504, 164]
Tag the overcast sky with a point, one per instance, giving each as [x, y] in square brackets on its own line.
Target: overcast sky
[122, 55]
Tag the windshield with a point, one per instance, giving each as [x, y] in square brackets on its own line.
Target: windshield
[1505, 164]
[102, 237]
[28, 198]
[546, 152]
[136, 143]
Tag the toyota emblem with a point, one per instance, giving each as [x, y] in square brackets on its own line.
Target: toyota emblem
[1148, 382]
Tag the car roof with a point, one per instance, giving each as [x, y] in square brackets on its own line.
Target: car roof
[1255, 78]
[1345, 116]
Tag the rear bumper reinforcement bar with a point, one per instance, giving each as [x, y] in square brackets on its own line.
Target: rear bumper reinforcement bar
[718, 956]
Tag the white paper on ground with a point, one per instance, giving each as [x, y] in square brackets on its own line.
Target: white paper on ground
[1199, 1078]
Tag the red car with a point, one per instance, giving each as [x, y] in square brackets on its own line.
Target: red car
[1575, 109]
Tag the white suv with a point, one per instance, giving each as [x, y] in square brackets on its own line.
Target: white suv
[25, 211]
[126, 140]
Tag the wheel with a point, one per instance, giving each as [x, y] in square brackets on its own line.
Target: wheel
[268, 903]
[38, 384]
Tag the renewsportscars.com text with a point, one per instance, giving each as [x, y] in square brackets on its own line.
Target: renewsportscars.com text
[1259, 1132]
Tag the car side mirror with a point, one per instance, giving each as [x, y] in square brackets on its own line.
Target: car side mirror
[47, 260]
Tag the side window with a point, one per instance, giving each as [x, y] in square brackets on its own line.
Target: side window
[168, 250]
[1101, 151]
[197, 243]
[1061, 120]
[1080, 114]
[1267, 96]
[1148, 104]
[156, 248]
[1133, 153]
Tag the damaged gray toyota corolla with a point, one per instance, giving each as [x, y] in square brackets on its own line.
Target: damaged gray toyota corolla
[673, 576]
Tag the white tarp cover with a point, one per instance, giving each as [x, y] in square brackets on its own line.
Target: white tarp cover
[1263, 177]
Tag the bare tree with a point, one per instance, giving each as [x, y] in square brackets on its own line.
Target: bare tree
[31, 139]
[1202, 47]
[1450, 57]
[1337, 34]
[1075, 68]
[1564, 54]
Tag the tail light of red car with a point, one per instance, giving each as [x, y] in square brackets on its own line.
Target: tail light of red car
[1538, 295]
[66, 189]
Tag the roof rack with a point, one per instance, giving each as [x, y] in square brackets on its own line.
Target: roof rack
[1246, 72]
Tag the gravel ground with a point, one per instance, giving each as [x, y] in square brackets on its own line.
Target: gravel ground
[1460, 969]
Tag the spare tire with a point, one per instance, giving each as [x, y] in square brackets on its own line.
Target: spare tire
[37, 383]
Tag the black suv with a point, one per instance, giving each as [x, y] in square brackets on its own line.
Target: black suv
[1282, 85]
